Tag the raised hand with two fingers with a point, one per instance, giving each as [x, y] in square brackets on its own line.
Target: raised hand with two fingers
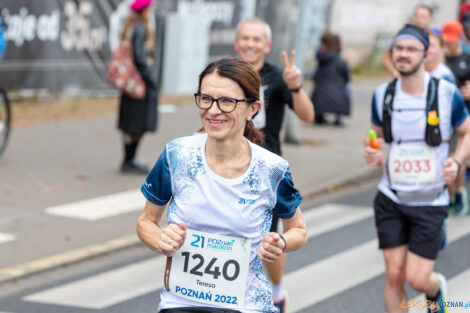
[292, 74]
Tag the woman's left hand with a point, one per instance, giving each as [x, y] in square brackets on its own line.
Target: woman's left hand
[270, 247]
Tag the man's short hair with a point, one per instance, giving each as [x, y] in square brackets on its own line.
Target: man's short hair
[425, 6]
[255, 20]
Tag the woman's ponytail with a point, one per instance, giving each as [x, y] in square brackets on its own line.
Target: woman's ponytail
[253, 134]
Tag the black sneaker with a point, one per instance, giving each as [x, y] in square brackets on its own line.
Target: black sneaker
[134, 167]
[438, 304]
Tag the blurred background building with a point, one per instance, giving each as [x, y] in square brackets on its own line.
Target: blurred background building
[64, 45]
[367, 26]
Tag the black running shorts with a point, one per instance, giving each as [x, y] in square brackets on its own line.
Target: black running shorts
[420, 227]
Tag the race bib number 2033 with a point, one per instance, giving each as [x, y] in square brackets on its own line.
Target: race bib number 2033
[211, 268]
[412, 166]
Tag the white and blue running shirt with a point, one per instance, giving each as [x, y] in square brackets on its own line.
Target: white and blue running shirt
[411, 125]
[443, 72]
[210, 203]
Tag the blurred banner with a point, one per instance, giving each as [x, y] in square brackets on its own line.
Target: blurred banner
[63, 45]
[59, 44]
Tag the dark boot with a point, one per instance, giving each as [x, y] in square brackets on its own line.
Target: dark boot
[319, 119]
[134, 167]
[338, 121]
[130, 164]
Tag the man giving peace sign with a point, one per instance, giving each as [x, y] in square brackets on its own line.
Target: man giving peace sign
[252, 43]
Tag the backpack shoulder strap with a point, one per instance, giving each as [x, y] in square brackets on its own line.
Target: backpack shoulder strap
[433, 132]
[387, 111]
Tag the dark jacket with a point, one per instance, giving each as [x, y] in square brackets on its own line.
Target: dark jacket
[331, 78]
[137, 116]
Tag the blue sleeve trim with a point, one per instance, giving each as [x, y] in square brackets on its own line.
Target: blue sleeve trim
[459, 109]
[288, 197]
[157, 186]
[375, 115]
[150, 197]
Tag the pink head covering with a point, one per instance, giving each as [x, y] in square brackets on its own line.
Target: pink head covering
[139, 5]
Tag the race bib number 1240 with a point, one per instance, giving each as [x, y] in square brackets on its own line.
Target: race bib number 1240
[211, 268]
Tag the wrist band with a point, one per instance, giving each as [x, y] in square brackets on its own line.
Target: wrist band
[285, 242]
[458, 165]
[296, 89]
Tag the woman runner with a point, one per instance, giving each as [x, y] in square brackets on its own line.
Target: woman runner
[222, 189]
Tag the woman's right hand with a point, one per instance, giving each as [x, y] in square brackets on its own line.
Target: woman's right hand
[172, 238]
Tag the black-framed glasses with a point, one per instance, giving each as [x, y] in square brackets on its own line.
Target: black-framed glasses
[225, 104]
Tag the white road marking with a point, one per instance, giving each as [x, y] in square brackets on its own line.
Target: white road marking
[330, 217]
[101, 207]
[125, 283]
[6, 238]
[108, 288]
[347, 269]
[331, 276]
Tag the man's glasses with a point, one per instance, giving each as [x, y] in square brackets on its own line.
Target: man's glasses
[225, 104]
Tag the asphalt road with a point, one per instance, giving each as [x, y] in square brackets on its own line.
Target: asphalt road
[339, 270]
[60, 188]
